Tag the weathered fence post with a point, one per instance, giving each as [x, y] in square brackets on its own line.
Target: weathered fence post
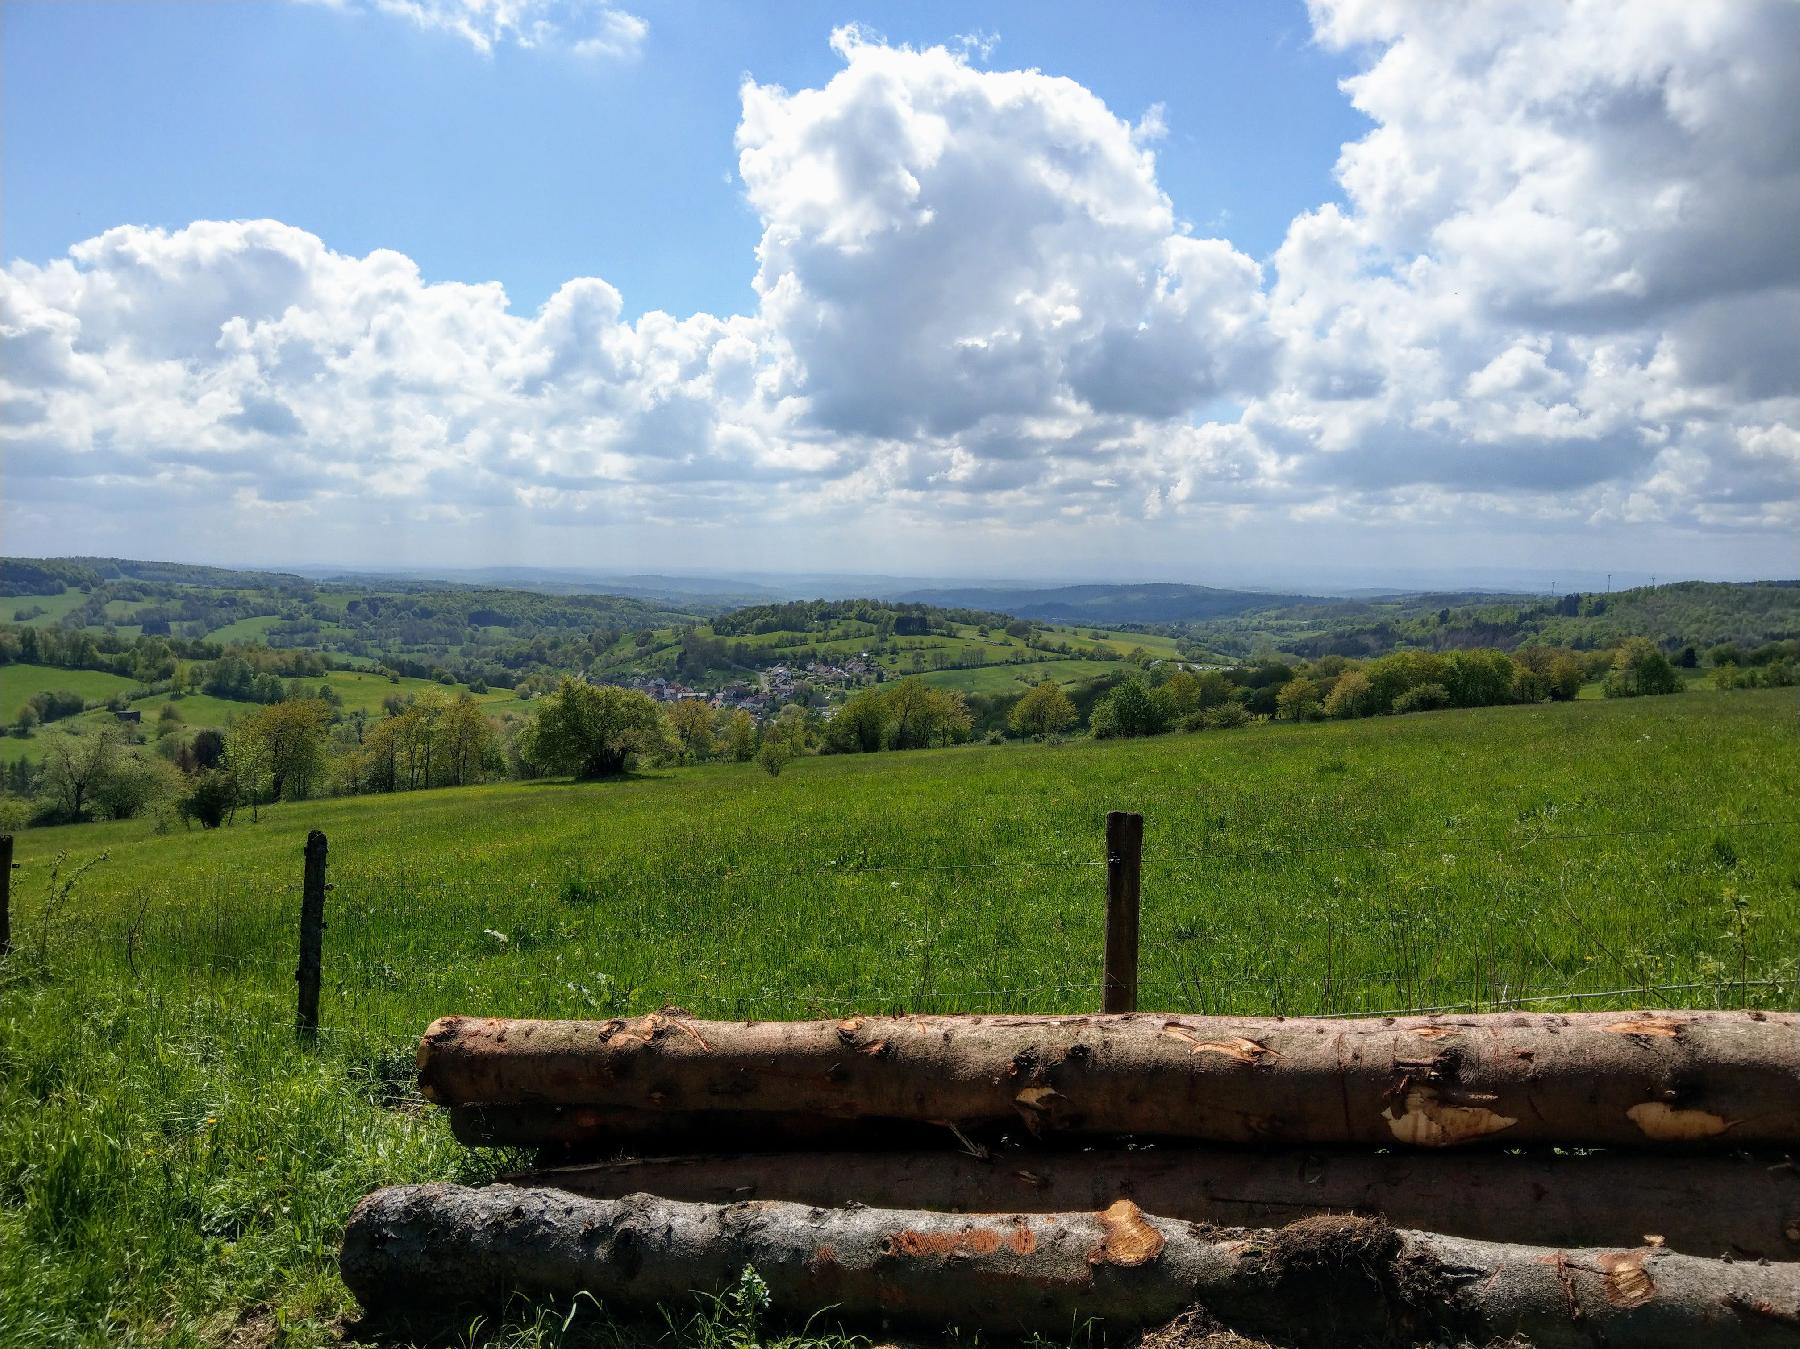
[6, 866]
[1124, 858]
[312, 931]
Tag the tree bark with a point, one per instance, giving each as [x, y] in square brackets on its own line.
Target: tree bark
[1334, 1281]
[586, 1133]
[1644, 1079]
[1705, 1206]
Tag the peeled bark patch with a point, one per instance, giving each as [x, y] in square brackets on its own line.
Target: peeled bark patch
[1665, 1027]
[1425, 1121]
[1667, 1124]
[1237, 1047]
[1511, 1078]
[1628, 1284]
[1331, 1281]
[1129, 1239]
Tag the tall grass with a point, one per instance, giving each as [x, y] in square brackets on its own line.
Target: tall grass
[174, 1169]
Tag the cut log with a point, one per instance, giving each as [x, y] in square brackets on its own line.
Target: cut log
[588, 1132]
[1707, 1206]
[1319, 1281]
[1646, 1079]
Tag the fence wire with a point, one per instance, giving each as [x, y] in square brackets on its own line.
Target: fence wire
[1239, 922]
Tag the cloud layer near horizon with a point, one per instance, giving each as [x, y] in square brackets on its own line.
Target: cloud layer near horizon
[1561, 289]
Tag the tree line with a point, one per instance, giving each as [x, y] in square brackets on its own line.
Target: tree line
[303, 744]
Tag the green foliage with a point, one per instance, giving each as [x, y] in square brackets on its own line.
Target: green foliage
[1043, 711]
[587, 732]
[278, 752]
[1698, 612]
[1640, 669]
[908, 714]
[78, 768]
[1126, 711]
[1423, 698]
[1351, 696]
[210, 799]
[693, 729]
[739, 736]
[1778, 674]
[1225, 717]
[862, 725]
[175, 1169]
[1299, 700]
[772, 755]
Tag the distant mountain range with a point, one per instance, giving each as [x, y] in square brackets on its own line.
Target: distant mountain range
[1105, 605]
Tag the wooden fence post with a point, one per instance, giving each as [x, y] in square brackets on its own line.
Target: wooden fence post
[1124, 859]
[312, 932]
[6, 866]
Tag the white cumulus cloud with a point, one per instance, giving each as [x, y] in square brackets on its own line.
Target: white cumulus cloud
[1560, 288]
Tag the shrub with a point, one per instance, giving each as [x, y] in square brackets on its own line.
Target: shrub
[590, 732]
[1639, 670]
[1226, 717]
[1126, 711]
[1423, 698]
[1299, 700]
[1043, 711]
[1350, 696]
[55, 704]
[772, 755]
[211, 799]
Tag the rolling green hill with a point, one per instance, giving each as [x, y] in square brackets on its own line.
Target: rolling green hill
[19, 681]
[177, 1168]
[1111, 605]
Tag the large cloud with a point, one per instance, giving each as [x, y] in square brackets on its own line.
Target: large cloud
[1557, 290]
[943, 247]
[1565, 266]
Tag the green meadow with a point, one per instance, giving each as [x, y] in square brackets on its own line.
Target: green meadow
[174, 1169]
[19, 682]
[1017, 678]
[362, 691]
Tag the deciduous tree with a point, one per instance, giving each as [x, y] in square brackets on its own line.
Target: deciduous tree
[691, 723]
[590, 732]
[1044, 710]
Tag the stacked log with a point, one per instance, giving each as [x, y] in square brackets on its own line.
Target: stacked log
[1675, 1080]
[1734, 1206]
[1617, 1178]
[1325, 1281]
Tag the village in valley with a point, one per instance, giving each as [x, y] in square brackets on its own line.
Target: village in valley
[818, 683]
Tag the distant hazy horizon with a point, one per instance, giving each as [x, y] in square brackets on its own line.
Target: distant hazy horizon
[798, 583]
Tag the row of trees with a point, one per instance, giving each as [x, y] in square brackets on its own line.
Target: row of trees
[304, 745]
[1406, 681]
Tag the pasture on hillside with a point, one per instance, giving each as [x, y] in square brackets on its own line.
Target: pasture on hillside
[175, 1166]
[53, 606]
[18, 682]
[362, 691]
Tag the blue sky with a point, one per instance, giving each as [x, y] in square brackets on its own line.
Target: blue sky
[1208, 291]
[529, 167]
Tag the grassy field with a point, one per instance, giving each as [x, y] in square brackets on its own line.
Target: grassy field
[360, 690]
[173, 1169]
[18, 682]
[243, 629]
[1015, 678]
[989, 659]
[54, 606]
[365, 691]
